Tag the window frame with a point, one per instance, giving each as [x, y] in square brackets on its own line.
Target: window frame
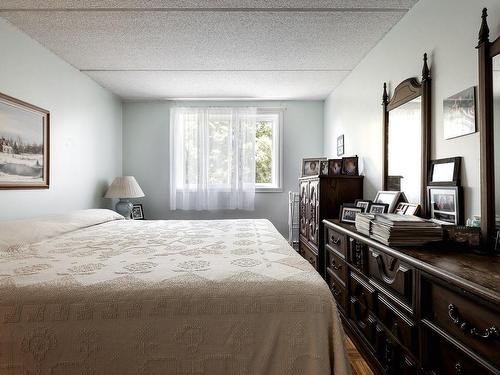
[277, 186]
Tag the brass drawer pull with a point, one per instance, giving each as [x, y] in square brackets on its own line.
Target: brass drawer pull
[335, 291]
[335, 267]
[335, 241]
[488, 333]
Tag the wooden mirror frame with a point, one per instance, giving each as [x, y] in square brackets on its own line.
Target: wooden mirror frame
[406, 91]
[486, 51]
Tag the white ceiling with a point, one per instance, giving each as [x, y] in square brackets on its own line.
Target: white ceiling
[241, 49]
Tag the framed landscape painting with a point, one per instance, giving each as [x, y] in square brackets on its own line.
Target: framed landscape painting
[24, 145]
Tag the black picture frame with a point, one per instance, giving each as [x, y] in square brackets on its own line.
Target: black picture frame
[454, 170]
[449, 208]
[324, 168]
[363, 203]
[346, 210]
[350, 166]
[334, 167]
[379, 208]
[137, 212]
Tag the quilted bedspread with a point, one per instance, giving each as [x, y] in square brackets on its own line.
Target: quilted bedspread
[164, 297]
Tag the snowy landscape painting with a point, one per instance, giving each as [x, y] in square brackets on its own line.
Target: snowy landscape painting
[24, 145]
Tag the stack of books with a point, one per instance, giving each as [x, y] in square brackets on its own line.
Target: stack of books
[364, 223]
[404, 230]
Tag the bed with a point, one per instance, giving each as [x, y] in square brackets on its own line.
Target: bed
[90, 293]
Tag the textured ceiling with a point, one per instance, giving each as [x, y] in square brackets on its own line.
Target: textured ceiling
[156, 49]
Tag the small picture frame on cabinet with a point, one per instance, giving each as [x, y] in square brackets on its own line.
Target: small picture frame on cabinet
[350, 166]
[348, 213]
[334, 167]
[137, 212]
[363, 204]
[311, 166]
[324, 167]
[379, 208]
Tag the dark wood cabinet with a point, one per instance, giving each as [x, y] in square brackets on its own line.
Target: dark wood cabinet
[430, 310]
[321, 198]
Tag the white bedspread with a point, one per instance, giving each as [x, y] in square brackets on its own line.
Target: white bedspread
[164, 297]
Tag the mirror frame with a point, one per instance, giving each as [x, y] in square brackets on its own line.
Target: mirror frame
[486, 51]
[406, 91]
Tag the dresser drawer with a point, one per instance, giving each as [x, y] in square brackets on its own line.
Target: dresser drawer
[363, 319]
[338, 291]
[308, 255]
[335, 262]
[442, 357]
[391, 356]
[401, 327]
[472, 323]
[336, 241]
[392, 274]
[362, 291]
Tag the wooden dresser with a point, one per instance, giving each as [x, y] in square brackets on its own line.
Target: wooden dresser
[428, 310]
[321, 198]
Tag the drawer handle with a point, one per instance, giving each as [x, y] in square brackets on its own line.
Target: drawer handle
[335, 267]
[335, 241]
[458, 368]
[335, 291]
[488, 333]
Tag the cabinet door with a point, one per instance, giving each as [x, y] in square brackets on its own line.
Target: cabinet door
[304, 207]
[314, 212]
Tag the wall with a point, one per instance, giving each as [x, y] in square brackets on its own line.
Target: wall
[85, 129]
[146, 156]
[447, 30]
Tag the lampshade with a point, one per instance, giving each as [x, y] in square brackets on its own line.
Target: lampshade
[124, 187]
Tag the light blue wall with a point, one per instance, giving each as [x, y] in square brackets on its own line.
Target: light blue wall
[447, 30]
[146, 156]
[86, 124]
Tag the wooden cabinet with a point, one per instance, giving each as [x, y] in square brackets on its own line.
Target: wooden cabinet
[433, 311]
[321, 198]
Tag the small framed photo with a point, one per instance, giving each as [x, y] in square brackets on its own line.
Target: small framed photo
[350, 166]
[412, 209]
[340, 145]
[365, 204]
[137, 212]
[335, 167]
[445, 172]
[311, 166]
[459, 114]
[323, 167]
[401, 208]
[392, 198]
[445, 204]
[379, 208]
[348, 213]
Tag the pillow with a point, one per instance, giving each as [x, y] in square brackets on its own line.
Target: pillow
[16, 233]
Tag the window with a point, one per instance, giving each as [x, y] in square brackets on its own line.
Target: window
[220, 156]
[268, 148]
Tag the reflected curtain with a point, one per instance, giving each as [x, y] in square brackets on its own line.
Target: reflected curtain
[212, 158]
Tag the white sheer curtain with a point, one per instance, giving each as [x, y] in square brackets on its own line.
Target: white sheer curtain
[212, 158]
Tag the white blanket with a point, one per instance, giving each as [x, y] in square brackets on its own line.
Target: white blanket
[164, 297]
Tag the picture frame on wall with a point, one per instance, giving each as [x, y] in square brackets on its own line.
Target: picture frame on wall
[24, 145]
[445, 172]
[459, 114]
[348, 213]
[350, 166]
[340, 145]
[137, 212]
[445, 204]
[311, 166]
[335, 167]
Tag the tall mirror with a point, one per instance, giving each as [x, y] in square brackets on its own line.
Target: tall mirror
[489, 127]
[407, 137]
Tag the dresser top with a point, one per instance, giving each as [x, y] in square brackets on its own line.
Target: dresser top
[481, 273]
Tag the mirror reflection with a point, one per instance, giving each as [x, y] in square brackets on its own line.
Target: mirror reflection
[496, 130]
[404, 150]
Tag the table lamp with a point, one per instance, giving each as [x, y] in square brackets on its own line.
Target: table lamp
[124, 188]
